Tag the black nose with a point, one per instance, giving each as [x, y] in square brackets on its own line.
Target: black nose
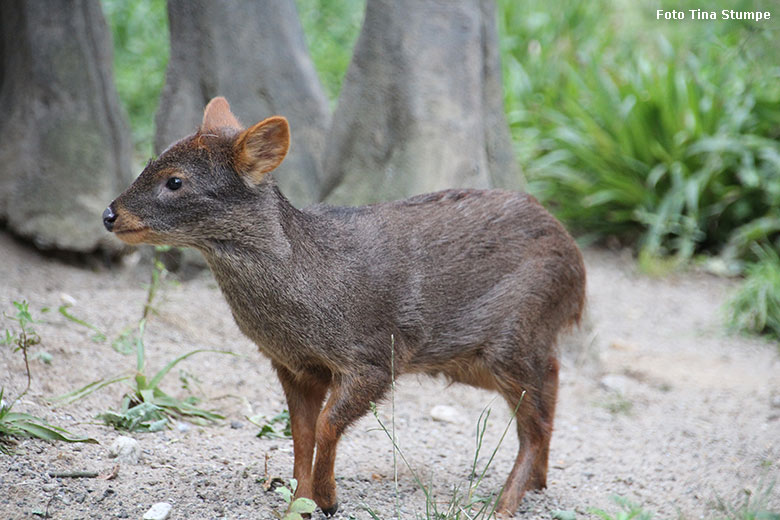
[108, 218]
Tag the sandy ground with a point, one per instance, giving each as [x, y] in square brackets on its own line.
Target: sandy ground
[657, 405]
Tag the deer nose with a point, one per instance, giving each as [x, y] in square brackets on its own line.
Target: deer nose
[109, 217]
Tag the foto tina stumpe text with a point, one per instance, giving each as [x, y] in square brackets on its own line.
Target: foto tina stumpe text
[701, 14]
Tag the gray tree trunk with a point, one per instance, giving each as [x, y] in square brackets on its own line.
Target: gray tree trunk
[421, 107]
[66, 148]
[252, 52]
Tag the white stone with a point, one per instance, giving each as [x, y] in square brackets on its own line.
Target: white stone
[616, 383]
[67, 299]
[444, 413]
[126, 450]
[159, 511]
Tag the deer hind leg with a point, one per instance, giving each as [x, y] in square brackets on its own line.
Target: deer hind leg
[349, 400]
[304, 401]
[534, 419]
[548, 398]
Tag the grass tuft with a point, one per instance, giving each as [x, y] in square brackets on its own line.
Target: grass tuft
[755, 308]
[16, 425]
[629, 511]
[751, 506]
[146, 407]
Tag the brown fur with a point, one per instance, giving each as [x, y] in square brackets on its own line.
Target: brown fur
[472, 284]
[217, 115]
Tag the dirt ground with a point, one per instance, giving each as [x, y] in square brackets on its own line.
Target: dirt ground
[658, 404]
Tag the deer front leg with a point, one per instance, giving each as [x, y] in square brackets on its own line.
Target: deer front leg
[349, 400]
[304, 401]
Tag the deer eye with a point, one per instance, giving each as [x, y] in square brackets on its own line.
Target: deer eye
[173, 183]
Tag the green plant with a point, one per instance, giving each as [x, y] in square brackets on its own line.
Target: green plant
[24, 339]
[159, 275]
[755, 308]
[14, 425]
[663, 136]
[629, 511]
[146, 407]
[98, 336]
[277, 427]
[296, 507]
[465, 504]
[752, 506]
[461, 506]
[663, 156]
[617, 404]
[128, 340]
[668, 143]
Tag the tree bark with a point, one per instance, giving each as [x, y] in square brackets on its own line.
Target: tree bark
[252, 52]
[66, 147]
[421, 107]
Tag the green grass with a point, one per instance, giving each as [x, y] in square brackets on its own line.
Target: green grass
[146, 407]
[751, 506]
[98, 336]
[755, 308]
[17, 425]
[277, 427]
[628, 511]
[668, 147]
[465, 502]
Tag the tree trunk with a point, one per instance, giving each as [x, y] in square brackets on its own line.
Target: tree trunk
[421, 107]
[252, 52]
[66, 148]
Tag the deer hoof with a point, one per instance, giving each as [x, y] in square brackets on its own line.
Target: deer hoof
[330, 511]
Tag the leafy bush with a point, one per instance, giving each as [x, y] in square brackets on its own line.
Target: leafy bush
[666, 149]
[658, 154]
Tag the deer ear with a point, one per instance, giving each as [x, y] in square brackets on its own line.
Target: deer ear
[218, 115]
[261, 148]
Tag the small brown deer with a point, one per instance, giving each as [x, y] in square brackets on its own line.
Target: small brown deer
[472, 284]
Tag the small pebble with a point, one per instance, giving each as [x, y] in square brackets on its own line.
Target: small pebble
[183, 427]
[126, 450]
[616, 383]
[67, 299]
[444, 413]
[236, 425]
[159, 511]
